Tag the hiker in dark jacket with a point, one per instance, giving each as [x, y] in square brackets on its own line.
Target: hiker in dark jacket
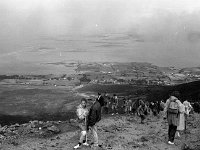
[154, 108]
[94, 117]
[172, 110]
[100, 99]
[142, 111]
[158, 107]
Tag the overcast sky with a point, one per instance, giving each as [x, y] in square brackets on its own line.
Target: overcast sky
[172, 25]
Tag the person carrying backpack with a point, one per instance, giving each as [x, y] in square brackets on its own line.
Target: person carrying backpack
[142, 111]
[82, 113]
[172, 109]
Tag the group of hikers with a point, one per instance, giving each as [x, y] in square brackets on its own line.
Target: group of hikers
[174, 111]
[114, 105]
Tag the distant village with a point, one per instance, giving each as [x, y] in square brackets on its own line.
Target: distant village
[110, 73]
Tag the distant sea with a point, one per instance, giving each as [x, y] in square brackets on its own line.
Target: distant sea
[49, 54]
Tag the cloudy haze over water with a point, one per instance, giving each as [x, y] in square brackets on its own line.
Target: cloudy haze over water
[36, 32]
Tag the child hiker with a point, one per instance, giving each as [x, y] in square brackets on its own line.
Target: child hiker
[82, 113]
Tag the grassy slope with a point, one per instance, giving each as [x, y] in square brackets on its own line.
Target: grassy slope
[21, 104]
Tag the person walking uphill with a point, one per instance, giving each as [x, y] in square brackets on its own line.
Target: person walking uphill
[114, 101]
[82, 113]
[94, 117]
[172, 109]
[101, 100]
[142, 111]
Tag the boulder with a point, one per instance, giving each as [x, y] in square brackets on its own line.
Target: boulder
[53, 129]
[144, 139]
[3, 129]
[34, 123]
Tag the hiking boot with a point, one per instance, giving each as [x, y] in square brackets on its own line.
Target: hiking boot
[77, 146]
[171, 143]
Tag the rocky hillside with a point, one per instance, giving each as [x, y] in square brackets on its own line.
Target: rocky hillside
[118, 132]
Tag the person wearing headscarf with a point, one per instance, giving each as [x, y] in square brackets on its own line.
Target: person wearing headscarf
[188, 107]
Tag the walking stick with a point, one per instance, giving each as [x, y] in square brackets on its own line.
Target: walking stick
[185, 127]
[86, 132]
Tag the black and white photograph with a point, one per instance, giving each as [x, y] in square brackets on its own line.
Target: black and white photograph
[99, 75]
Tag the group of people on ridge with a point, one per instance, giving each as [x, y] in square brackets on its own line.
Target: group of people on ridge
[114, 105]
[175, 113]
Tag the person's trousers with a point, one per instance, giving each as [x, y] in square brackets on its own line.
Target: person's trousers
[83, 137]
[103, 110]
[106, 110]
[83, 132]
[172, 132]
[114, 109]
[94, 133]
[142, 118]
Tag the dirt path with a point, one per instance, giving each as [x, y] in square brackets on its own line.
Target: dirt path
[118, 132]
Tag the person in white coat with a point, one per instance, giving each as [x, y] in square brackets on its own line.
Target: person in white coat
[181, 125]
[82, 113]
